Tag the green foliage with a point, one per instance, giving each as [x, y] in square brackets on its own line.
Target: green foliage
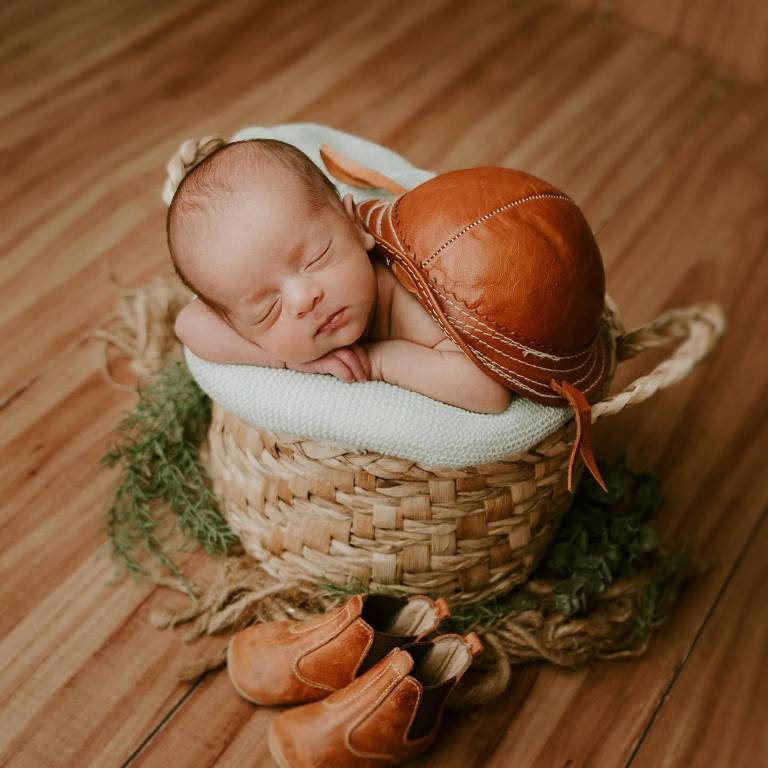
[659, 593]
[604, 537]
[343, 591]
[161, 471]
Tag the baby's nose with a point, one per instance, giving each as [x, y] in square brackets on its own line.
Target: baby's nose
[303, 299]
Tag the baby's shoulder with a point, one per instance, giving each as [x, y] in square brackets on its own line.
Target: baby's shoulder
[408, 318]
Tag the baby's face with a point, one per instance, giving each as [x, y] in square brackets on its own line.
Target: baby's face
[281, 270]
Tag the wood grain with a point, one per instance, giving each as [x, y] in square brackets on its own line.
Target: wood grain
[669, 162]
[718, 707]
[732, 34]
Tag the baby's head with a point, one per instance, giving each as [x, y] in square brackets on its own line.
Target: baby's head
[262, 237]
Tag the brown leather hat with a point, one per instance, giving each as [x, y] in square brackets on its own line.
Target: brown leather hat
[507, 265]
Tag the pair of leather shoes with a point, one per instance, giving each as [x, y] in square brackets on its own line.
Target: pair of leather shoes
[376, 687]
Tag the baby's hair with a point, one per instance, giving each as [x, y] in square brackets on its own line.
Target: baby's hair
[199, 180]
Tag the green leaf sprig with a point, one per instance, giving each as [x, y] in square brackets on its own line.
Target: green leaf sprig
[158, 448]
[604, 537]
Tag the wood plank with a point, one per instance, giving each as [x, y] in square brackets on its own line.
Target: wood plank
[718, 707]
[732, 34]
[88, 34]
[82, 678]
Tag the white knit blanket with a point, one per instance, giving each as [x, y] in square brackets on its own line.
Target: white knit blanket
[372, 415]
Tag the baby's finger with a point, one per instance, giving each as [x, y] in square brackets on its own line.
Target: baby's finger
[341, 370]
[350, 359]
[365, 361]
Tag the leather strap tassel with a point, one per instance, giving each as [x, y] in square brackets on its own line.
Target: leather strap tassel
[583, 443]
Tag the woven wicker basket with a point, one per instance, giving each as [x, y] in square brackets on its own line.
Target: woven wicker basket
[311, 510]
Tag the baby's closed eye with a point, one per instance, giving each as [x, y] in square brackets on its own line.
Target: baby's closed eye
[264, 316]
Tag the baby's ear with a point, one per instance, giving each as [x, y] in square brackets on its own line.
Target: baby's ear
[349, 206]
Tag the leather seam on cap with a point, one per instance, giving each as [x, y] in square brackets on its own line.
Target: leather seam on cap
[375, 209]
[441, 290]
[394, 229]
[598, 350]
[515, 384]
[495, 212]
[512, 375]
[401, 234]
[552, 371]
[583, 355]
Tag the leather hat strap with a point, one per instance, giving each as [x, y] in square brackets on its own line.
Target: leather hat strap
[583, 442]
[355, 174]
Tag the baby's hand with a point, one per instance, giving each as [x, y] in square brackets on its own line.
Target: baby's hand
[349, 364]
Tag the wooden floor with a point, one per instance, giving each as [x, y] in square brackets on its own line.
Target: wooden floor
[663, 145]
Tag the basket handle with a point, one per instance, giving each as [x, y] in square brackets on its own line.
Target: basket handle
[699, 326]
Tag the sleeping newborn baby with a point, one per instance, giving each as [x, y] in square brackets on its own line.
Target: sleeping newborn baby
[286, 275]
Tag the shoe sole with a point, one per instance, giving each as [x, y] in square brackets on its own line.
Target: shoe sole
[236, 686]
[277, 755]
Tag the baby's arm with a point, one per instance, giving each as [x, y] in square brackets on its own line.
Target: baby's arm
[208, 336]
[442, 375]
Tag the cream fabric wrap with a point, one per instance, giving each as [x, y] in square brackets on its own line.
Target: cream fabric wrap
[372, 416]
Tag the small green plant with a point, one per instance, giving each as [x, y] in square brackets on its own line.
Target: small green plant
[158, 447]
[604, 536]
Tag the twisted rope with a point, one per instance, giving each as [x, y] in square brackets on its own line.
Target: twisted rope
[700, 326]
[189, 154]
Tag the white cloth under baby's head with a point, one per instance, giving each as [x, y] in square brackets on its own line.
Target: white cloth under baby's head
[374, 415]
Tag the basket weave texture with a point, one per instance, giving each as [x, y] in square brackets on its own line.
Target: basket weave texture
[311, 510]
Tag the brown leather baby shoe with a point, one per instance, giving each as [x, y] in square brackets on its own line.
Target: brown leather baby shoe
[291, 662]
[388, 715]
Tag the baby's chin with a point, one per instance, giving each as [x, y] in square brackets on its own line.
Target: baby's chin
[343, 337]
